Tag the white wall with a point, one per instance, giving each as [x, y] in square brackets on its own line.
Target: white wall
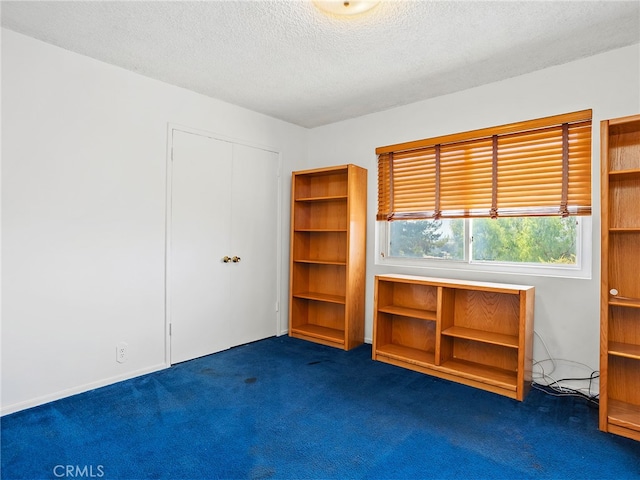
[566, 310]
[83, 214]
[83, 202]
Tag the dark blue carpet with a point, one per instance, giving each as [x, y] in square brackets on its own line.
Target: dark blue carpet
[286, 408]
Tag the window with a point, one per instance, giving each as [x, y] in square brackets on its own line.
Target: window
[518, 195]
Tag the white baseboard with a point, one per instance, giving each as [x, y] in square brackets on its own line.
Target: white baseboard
[16, 407]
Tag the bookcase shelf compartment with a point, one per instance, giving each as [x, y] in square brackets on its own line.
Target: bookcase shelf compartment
[624, 332]
[407, 355]
[623, 418]
[408, 299]
[321, 183]
[320, 247]
[476, 333]
[327, 215]
[319, 278]
[317, 317]
[317, 333]
[620, 289]
[407, 337]
[624, 264]
[624, 198]
[482, 355]
[623, 408]
[498, 377]
[327, 258]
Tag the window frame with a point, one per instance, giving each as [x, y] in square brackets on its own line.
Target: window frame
[582, 269]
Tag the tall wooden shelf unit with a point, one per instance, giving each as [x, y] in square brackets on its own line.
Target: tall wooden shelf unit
[475, 333]
[328, 245]
[620, 297]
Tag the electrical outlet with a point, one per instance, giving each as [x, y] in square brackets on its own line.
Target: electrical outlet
[121, 352]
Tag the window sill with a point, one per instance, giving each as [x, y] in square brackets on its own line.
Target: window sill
[574, 272]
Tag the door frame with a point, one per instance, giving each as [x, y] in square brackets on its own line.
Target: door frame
[171, 128]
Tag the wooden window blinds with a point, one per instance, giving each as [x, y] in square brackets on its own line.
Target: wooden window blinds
[535, 168]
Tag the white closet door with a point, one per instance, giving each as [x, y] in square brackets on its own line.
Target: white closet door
[224, 202]
[254, 222]
[199, 281]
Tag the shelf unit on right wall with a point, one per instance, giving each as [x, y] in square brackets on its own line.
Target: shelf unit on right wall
[620, 295]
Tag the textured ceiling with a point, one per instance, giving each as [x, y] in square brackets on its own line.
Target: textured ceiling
[290, 61]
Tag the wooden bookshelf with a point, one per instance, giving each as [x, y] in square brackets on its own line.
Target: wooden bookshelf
[327, 265]
[620, 288]
[476, 333]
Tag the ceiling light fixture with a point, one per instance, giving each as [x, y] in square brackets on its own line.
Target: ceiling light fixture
[344, 7]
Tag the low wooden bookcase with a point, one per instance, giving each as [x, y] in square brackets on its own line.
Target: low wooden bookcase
[476, 333]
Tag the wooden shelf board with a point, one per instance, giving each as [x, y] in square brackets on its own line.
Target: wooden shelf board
[624, 302]
[455, 283]
[620, 174]
[321, 297]
[321, 230]
[316, 331]
[626, 350]
[624, 414]
[481, 373]
[319, 172]
[624, 230]
[328, 198]
[406, 354]
[321, 262]
[623, 432]
[501, 339]
[624, 121]
[408, 312]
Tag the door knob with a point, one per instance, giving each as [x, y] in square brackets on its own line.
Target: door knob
[226, 259]
[235, 259]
